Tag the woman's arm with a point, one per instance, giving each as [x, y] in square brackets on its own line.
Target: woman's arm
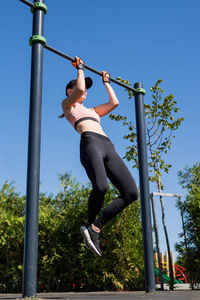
[106, 108]
[78, 90]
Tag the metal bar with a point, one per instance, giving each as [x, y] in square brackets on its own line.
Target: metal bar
[33, 167]
[27, 3]
[88, 68]
[144, 192]
[166, 194]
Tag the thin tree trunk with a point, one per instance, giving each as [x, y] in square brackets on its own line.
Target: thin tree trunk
[156, 170]
[168, 246]
[157, 243]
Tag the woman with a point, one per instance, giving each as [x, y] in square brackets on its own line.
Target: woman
[98, 155]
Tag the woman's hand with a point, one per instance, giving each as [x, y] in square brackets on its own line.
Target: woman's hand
[105, 77]
[78, 63]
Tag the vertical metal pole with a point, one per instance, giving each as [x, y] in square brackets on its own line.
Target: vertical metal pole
[144, 192]
[33, 168]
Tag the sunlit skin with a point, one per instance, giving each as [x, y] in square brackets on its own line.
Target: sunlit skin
[79, 94]
[82, 98]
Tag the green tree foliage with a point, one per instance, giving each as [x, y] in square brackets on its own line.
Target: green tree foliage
[64, 264]
[161, 122]
[189, 247]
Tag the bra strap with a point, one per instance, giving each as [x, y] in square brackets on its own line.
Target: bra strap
[83, 119]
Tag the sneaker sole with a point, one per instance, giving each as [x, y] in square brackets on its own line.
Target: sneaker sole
[87, 245]
[88, 240]
[82, 228]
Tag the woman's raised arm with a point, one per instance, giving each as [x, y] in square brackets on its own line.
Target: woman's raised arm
[106, 108]
[77, 91]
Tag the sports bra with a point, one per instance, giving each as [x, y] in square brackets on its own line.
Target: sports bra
[81, 113]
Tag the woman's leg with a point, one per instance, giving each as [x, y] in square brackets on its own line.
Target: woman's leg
[122, 179]
[92, 160]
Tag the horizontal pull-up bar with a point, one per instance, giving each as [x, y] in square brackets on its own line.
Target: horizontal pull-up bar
[89, 68]
[27, 3]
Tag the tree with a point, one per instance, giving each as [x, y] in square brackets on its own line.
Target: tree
[189, 248]
[161, 123]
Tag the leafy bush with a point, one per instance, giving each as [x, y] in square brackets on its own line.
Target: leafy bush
[11, 239]
[64, 264]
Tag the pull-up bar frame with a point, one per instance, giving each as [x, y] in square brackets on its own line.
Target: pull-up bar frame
[38, 42]
[43, 41]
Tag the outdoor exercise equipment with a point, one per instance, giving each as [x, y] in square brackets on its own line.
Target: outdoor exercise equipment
[38, 42]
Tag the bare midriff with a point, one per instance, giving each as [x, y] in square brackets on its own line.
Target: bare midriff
[89, 125]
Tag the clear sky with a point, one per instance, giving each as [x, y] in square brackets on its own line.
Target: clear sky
[136, 40]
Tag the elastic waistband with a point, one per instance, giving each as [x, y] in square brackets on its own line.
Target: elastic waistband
[94, 134]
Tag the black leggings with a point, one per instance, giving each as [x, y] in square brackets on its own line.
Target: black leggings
[100, 160]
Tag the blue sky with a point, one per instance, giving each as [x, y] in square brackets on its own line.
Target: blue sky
[136, 40]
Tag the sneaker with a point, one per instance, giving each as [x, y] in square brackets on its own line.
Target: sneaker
[91, 239]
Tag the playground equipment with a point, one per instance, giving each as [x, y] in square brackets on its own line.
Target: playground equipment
[180, 273]
[38, 42]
